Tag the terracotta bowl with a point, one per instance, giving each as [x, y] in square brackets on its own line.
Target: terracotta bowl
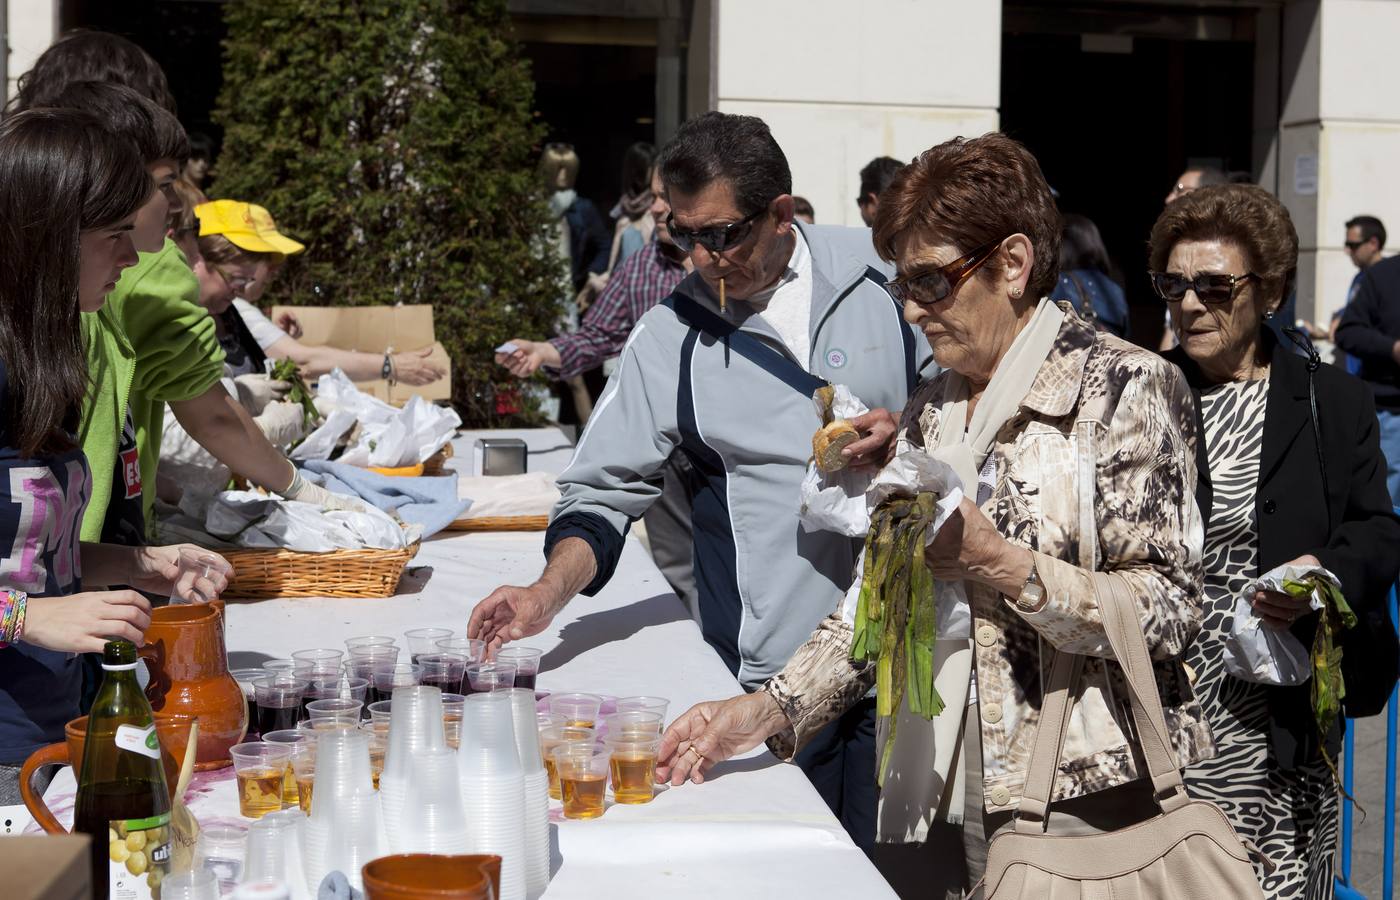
[423, 876]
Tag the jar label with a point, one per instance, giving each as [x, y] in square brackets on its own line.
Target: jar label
[138, 854]
[139, 740]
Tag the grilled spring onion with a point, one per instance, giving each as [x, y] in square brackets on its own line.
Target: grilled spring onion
[894, 624]
[1328, 688]
[288, 371]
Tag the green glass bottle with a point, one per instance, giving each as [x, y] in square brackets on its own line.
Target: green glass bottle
[123, 802]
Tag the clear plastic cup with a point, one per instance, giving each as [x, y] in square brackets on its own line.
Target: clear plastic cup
[527, 733]
[320, 659]
[380, 710]
[443, 671]
[388, 679]
[368, 640]
[378, 731]
[280, 698]
[583, 779]
[355, 836]
[555, 736]
[245, 679]
[415, 725]
[196, 884]
[261, 769]
[267, 850]
[432, 820]
[631, 725]
[452, 705]
[473, 649]
[202, 577]
[525, 660]
[334, 709]
[487, 678]
[578, 710]
[342, 772]
[297, 742]
[279, 666]
[364, 661]
[220, 850]
[632, 765]
[425, 640]
[304, 772]
[658, 705]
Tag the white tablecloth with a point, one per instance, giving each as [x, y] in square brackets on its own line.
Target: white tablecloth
[757, 828]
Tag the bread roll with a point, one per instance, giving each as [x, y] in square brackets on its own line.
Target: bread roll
[828, 443]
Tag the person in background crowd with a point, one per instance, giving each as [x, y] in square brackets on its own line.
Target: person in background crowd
[632, 212]
[730, 386]
[1084, 277]
[1193, 178]
[91, 56]
[151, 343]
[802, 210]
[642, 281]
[1370, 331]
[196, 170]
[974, 234]
[70, 195]
[1221, 258]
[1364, 242]
[874, 178]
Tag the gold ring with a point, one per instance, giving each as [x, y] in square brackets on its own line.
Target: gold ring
[698, 755]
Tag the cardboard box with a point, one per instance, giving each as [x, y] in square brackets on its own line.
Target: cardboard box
[374, 329]
[46, 867]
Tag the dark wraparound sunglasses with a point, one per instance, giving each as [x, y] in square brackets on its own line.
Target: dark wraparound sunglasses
[1352, 245]
[1210, 287]
[716, 238]
[934, 285]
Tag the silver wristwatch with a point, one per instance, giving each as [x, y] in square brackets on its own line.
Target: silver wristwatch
[1032, 596]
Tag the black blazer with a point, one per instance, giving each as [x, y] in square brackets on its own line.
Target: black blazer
[1353, 530]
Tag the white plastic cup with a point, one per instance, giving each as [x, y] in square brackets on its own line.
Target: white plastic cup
[425, 640]
[355, 836]
[221, 851]
[342, 772]
[202, 577]
[266, 855]
[196, 884]
[415, 723]
[527, 733]
[432, 820]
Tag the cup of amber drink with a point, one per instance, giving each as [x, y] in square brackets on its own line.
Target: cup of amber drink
[554, 736]
[378, 731]
[632, 764]
[632, 725]
[260, 769]
[583, 779]
[304, 772]
[578, 710]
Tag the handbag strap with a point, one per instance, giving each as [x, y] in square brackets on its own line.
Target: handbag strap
[1124, 631]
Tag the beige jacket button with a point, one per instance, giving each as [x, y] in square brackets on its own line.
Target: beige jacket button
[991, 713]
[1000, 796]
[986, 636]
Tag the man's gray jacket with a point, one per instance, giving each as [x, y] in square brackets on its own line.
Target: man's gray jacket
[740, 410]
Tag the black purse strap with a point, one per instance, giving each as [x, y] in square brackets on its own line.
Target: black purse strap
[775, 363]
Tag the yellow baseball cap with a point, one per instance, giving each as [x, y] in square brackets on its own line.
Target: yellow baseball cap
[246, 226]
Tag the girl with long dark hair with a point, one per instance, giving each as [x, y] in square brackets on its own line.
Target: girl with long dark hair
[69, 193]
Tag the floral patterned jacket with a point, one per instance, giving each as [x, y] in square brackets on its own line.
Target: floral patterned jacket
[1103, 444]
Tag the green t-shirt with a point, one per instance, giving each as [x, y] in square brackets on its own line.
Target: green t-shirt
[152, 343]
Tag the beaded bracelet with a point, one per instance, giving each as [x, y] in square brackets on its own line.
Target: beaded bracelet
[12, 608]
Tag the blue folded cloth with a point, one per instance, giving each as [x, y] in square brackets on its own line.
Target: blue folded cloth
[335, 886]
[429, 502]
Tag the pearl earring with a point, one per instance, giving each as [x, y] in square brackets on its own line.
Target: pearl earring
[1016, 293]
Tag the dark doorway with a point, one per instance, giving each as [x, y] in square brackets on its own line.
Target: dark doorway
[1112, 130]
[599, 97]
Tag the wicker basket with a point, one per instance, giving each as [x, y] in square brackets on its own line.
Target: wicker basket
[501, 523]
[436, 464]
[261, 574]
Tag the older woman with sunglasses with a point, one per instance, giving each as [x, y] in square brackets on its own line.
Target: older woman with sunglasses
[1290, 473]
[1076, 453]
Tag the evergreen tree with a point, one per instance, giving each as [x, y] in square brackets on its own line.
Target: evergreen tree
[396, 139]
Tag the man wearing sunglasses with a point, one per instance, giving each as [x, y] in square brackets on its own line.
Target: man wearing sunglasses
[1369, 331]
[729, 385]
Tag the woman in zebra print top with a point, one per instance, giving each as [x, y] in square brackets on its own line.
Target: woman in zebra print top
[1223, 259]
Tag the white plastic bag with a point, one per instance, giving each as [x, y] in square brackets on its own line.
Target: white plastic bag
[250, 519]
[388, 438]
[1261, 653]
[835, 501]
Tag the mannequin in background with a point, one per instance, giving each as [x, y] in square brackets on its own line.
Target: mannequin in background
[582, 241]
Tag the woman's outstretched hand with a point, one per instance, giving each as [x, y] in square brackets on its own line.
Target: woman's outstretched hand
[712, 732]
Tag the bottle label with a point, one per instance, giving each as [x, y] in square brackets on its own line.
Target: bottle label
[139, 740]
[138, 853]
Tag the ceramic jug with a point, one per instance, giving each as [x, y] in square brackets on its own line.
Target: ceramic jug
[188, 665]
[422, 876]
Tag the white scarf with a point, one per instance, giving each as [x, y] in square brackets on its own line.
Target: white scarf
[926, 781]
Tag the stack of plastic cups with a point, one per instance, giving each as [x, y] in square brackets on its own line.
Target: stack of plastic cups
[415, 725]
[344, 830]
[527, 743]
[287, 826]
[432, 819]
[493, 786]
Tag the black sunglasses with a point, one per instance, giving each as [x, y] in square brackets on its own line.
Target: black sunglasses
[716, 238]
[1210, 287]
[1352, 245]
[933, 285]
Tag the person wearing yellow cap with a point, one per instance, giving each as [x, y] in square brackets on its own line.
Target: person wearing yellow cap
[240, 250]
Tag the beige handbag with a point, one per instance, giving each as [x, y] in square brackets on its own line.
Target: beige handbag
[1190, 851]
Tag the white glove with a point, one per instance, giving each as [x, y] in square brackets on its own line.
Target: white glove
[256, 391]
[283, 422]
[305, 491]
